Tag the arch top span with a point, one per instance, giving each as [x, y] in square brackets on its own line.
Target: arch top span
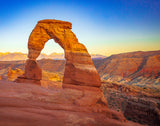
[79, 68]
[64, 24]
[58, 30]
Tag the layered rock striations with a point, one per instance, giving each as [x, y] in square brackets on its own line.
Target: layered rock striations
[81, 93]
[33, 105]
[136, 68]
[143, 111]
[138, 104]
[79, 68]
[80, 74]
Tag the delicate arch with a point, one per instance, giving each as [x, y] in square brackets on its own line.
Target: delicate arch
[79, 68]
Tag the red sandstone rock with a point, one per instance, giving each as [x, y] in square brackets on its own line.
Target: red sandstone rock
[33, 73]
[13, 74]
[81, 81]
[33, 105]
[79, 67]
[131, 68]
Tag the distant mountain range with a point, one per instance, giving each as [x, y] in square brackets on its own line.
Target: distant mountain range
[56, 56]
[134, 68]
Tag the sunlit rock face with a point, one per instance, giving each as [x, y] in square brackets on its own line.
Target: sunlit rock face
[80, 93]
[13, 74]
[79, 68]
[32, 105]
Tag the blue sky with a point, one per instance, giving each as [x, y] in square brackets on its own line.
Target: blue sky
[103, 26]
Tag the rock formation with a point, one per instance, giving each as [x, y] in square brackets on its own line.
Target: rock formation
[143, 111]
[137, 68]
[137, 104]
[79, 68]
[80, 73]
[13, 74]
[24, 104]
[80, 93]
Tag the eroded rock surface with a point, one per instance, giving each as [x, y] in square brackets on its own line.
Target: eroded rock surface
[142, 110]
[80, 94]
[79, 68]
[133, 68]
[13, 74]
[137, 104]
[33, 105]
[33, 73]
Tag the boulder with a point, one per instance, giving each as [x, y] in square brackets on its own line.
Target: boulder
[13, 74]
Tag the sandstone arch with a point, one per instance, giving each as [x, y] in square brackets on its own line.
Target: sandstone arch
[79, 68]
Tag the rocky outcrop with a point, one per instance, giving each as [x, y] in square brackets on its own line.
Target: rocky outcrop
[138, 104]
[143, 111]
[13, 74]
[137, 68]
[81, 83]
[79, 68]
[33, 105]
[148, 71]
[33, 73]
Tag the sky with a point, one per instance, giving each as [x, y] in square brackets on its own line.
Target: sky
[104, 26]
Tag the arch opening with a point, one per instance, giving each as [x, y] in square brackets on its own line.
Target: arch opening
[52, 63]
[52, 47]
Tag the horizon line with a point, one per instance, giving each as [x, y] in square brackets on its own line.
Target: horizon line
[7, 52]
